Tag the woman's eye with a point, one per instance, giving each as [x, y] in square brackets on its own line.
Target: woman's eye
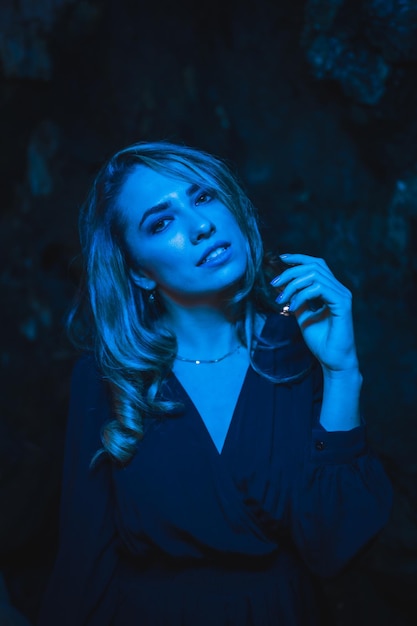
[202, 197]
[159, 225]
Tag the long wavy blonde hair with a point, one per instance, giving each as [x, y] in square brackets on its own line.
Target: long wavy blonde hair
[115, 319]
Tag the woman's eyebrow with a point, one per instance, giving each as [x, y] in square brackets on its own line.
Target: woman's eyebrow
[162, 206]
[158, 208]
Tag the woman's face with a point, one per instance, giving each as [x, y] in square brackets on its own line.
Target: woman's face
[182, 240]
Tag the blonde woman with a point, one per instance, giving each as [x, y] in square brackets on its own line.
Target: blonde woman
[216, 460]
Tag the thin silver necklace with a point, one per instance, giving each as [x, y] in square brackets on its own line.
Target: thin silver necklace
[207, 361]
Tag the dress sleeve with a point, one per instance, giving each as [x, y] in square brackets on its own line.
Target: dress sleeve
[342, 497]
[80, 586]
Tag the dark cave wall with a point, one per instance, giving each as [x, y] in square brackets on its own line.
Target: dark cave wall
[315, 103]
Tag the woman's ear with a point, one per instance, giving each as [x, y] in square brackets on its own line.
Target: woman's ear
[142, 281]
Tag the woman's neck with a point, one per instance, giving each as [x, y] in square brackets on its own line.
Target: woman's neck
[201, 332]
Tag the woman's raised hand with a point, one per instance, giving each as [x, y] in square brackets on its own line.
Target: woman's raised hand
[323, 309]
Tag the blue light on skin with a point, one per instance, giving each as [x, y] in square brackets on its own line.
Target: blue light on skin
[181, 238]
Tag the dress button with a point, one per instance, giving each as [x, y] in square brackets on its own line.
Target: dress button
[319, 445]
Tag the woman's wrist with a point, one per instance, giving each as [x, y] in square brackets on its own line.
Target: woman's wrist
[350, 375]
[341, 394]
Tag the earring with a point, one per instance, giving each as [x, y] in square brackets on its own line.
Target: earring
[151, 298]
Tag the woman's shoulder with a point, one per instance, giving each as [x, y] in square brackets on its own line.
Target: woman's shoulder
[90, 402]
[87, 380]
[85, 367]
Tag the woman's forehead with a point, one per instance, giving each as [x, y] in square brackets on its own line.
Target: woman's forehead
[145, 187]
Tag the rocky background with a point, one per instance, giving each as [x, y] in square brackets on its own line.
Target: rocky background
[315, 102]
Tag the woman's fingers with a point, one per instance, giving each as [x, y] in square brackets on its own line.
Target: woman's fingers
[302, 259]
[314, 295]
[310, 296]
[308, 265]
[301, 283]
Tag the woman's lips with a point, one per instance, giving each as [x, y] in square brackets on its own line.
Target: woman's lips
[215, 253]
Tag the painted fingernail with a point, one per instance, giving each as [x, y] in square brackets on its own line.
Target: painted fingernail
[275, 281]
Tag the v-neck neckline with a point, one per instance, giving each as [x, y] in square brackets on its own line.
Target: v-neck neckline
[236, 410]
[200, 419]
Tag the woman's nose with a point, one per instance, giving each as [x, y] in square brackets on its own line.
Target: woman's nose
[202, 229]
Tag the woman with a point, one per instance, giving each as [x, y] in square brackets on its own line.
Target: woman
[215, 454]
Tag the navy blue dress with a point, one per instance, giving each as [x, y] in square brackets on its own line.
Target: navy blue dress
[185, 536]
